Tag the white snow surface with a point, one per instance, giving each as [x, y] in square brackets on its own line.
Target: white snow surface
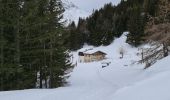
[123, 79]
[73, 12]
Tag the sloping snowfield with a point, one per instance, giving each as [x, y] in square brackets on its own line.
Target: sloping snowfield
[123, 79]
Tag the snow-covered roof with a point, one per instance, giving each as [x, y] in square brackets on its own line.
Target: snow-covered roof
[94, 52]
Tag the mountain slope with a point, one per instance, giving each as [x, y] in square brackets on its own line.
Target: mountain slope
[72, 12]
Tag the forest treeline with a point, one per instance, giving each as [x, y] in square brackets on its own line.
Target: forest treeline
[111, 21]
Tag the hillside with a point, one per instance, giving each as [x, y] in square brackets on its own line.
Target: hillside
[73, 12]
[121, 80]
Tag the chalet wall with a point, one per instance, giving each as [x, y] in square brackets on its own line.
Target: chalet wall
[91, 58]
[97, 56]
[81, 59]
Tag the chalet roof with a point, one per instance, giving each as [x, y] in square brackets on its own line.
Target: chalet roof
[99, 52]
[91, 53]
[81, 54]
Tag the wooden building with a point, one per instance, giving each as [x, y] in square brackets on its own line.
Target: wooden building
[90, 57]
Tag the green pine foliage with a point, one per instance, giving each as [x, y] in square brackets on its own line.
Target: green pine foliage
[138, 17]
[10, 27]
[32, 50]
[77, 35]
[151, 6]
[100, 26]
[73, 37]
[136, 25]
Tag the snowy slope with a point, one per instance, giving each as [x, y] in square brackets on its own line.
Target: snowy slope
[121, 80]
[73, 12]
[156, 87]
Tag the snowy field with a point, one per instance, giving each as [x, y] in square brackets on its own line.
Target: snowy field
[123, 79]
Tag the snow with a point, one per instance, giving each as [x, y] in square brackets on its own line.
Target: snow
[90, 5]
[156, 87]
[123, 79]
[73, 12]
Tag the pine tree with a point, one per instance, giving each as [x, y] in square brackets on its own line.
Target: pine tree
[2, 49]
[150, 7]
[82, 32]
[136, 25]
[10, 65]
[72, 40]
[59, 63]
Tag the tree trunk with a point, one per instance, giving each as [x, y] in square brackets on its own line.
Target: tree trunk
[41, 77]
[17, 52]
[45, 67]
[18, 44]
[51, 65]
[2, 57]
[165, 50]
[142, 56]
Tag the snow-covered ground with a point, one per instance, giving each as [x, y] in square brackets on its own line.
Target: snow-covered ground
[123, 79]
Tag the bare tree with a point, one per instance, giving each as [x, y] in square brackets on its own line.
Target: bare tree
[151, 54]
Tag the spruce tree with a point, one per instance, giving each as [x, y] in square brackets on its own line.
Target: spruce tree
[59, 62]
[136, 25]
[32, 50]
